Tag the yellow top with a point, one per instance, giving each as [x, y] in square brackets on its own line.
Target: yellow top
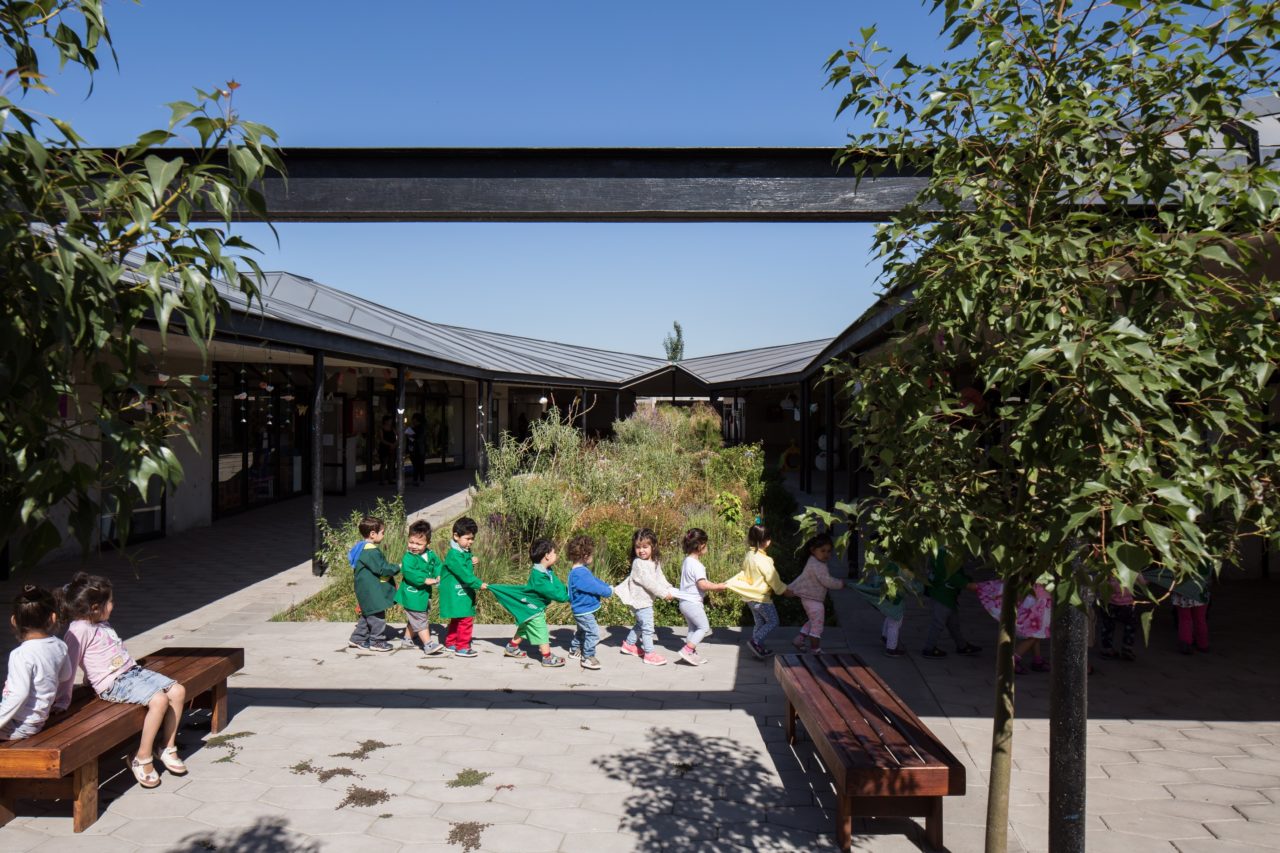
[758, 580]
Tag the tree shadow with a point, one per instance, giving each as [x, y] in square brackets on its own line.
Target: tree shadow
[268, 835]
[695, 792]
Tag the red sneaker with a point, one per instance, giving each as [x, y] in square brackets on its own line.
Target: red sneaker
[629, 649]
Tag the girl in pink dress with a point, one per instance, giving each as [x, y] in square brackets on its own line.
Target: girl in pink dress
[1032, 624]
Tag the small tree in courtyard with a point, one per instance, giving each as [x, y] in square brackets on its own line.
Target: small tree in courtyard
[1080, 384]
[93, 244]
[673, 343]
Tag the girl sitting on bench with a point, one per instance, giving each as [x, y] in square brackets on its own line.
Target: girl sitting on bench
[94, 646]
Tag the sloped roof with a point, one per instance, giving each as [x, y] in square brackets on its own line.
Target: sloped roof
[752, 364]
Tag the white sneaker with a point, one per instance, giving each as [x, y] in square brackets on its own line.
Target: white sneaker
[691, 657]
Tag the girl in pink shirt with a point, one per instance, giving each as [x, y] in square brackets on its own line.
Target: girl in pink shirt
[94, 646]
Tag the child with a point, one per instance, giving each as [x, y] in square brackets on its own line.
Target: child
[758, 582]
[375, 590]
[585, 592]
[528, 603]
[893, 606]
[40, 672]
[1120, 607]
[693, 584]
[1032, 625]
[421, 570]
[812, 587]
[94, 646]
[946, 582]
[458, 585]
[645, 583]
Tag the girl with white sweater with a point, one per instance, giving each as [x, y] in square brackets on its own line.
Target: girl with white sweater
[645, 583]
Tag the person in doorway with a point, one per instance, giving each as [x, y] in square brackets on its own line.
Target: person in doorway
[387, 445]
[415, 438]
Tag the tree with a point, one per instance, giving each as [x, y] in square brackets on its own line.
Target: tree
[674, 344]
[94, 243]
[1080, 383]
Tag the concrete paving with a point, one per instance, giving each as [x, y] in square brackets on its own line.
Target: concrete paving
[334, 749]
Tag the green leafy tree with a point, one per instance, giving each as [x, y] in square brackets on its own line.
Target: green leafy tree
[673, 343]
[93, 244]
[1080, 384]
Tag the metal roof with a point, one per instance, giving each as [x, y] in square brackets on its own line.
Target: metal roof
[755, 363]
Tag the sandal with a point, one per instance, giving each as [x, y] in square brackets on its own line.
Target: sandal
[169, 758]
[1019, 668]
[146, 778]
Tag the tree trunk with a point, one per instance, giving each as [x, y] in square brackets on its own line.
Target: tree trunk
[1068, 729]
[1002, 726]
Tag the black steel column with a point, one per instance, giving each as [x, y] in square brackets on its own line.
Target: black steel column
[1068, 729]
[317, 462]
[400, 430]
[805, 437]
[832, 444]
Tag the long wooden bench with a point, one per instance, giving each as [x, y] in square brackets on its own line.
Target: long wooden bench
[61, 761]
[885, 762]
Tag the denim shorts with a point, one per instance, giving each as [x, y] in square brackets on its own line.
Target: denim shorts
[136, 687]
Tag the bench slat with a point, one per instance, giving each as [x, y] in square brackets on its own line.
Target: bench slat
[851, 700]
[93, 726]
[904, 719]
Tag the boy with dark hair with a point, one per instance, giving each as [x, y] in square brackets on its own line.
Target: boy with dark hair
[528, 603]
[458, 585]
[421, 569]
[585, 592]
[374, 588]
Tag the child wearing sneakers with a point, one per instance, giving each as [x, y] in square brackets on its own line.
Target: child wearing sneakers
[375, 588]
[458, 585]
[528, 603]
[947, 579]
[421, 570]
[585, 592]
[645, 583]
[812, 588]
[758, 583]
[693, 584]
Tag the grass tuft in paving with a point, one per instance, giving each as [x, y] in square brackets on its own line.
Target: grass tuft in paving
[468, 778]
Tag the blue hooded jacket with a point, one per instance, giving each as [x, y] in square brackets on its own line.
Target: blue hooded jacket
[586, 590]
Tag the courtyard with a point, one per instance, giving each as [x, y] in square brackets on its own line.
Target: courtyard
[329, 748]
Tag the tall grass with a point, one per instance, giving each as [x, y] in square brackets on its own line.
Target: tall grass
[665, 469]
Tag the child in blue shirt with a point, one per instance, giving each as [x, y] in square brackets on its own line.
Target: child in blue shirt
[585, 592]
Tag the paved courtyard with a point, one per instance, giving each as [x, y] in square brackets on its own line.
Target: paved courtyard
[333, 749]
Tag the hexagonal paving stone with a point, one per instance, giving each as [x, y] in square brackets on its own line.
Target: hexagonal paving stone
[228, 791]
[155, 803]
[416, 829]
[512, 838]
[579, 820]
[1245, 832]
[1161, 827]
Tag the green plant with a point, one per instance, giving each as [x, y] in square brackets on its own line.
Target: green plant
[94, 243]
[729, 507]
[1087, 324]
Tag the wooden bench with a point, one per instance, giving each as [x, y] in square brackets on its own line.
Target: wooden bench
[61, 761]
[885, 762]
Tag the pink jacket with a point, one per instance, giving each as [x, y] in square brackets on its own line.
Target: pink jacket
[814, 581]
[96, 648]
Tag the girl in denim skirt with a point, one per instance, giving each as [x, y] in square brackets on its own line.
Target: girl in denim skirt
[94, 646]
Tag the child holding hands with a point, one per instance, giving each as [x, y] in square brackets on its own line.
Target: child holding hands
[421, 570]
[585, 592]
[812, 587]
[375, 587]
[757, 583]
[528, 603]
[693, 585]
[645, 583]
[458, 585]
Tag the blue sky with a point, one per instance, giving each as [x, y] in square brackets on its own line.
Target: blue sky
[531, 74]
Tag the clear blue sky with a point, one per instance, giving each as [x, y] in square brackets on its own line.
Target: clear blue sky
[429, 73]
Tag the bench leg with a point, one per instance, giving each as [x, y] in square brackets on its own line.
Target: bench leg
[791, 723]
[8, 803]
[844, 824]
[933, 824]
[218, 701]
[84, 787]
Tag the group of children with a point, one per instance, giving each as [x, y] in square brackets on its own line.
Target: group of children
[457, 585]
[42, 671]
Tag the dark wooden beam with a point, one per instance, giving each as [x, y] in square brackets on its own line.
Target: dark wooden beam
[578, 184]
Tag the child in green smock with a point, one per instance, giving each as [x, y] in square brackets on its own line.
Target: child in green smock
[421, 570]
[528, 603]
